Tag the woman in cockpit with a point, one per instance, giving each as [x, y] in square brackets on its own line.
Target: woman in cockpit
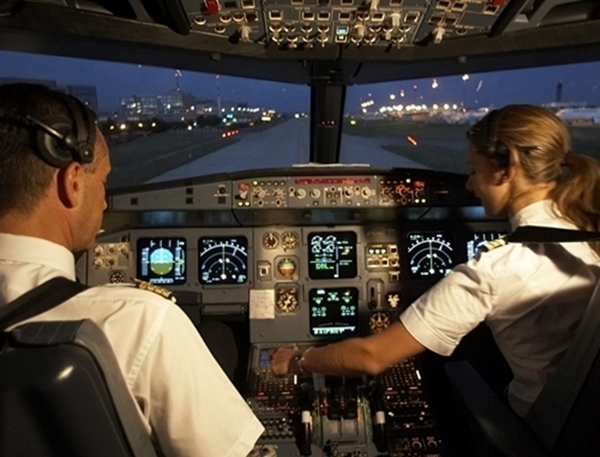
[531, 296]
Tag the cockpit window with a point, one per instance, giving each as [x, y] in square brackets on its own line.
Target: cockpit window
[166, 124]
[422, 123]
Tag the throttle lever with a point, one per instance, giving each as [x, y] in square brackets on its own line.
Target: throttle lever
[378, 416]
[304, 428]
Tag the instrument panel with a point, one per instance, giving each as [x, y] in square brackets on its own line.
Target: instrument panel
[297, 283]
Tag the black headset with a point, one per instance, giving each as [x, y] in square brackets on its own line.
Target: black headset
[496, 150]
[63, 140]
[487, 131]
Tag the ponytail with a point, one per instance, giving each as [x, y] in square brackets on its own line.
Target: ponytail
[577, 195]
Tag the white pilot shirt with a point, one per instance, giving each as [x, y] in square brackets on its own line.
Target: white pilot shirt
[186, 401]
[532, 296]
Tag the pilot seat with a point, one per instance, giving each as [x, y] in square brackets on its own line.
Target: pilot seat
[63, 394]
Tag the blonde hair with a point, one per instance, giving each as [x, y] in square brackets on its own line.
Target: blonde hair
[538, 142]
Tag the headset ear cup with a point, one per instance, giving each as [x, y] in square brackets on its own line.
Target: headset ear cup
[54, 150]
[83, 131]
[501, 155]
[86, 150]
[497, 151]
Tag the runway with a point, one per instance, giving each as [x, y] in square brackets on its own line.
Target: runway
[285, 145]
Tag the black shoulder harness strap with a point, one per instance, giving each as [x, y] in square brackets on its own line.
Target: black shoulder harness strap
[552, 407]
[36, 301]
[535, 234]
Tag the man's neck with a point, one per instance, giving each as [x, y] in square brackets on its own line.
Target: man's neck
[34, 224]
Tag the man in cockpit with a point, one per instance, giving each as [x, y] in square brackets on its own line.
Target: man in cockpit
[54, 163]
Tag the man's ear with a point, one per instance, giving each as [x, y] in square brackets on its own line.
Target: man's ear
[69, 183]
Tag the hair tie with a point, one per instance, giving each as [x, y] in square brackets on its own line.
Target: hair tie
[566, 161]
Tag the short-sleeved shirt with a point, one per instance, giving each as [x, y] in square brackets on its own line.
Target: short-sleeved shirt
[532, 296]
[186, 401]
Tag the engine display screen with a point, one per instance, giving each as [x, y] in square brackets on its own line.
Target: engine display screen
[333, 311]
[430, 254]
[161, 260]
[264, 358]
[332, 255]
[478, 239]
[223, 260]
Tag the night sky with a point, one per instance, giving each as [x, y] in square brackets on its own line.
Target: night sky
[581, 83]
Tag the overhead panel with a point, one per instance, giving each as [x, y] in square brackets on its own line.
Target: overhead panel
[306, 24]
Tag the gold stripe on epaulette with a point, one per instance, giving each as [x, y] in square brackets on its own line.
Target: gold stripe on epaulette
[145, 285]
[494, 244]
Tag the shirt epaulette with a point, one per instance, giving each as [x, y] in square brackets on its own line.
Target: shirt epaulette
[494, 244]
[145, 285]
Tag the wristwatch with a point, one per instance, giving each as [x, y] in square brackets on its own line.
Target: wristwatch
[299, 359]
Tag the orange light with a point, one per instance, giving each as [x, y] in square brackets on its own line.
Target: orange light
[411, 140]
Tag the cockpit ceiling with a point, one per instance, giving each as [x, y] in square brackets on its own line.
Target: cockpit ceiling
[344, 41]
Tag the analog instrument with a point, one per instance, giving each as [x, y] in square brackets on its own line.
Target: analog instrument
[270, 240]
[286, 267]
[289, 240]
[378, 322]
[286, 299]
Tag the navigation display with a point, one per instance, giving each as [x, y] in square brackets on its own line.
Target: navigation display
[430, 254]
[478, 239]
[161, 260]
[223, 260]
[332, 255]
[333, 311]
